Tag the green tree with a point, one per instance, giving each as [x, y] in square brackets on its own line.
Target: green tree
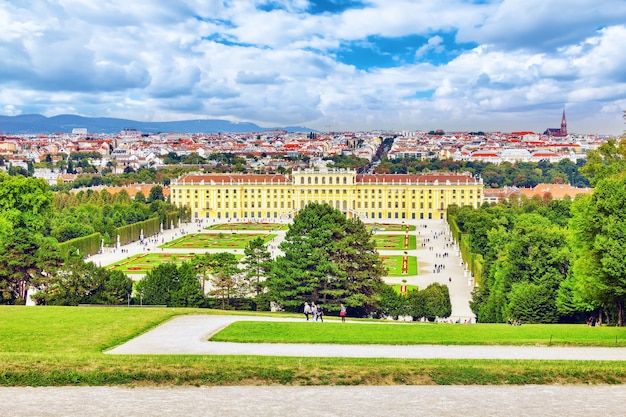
[156, 194]
[26, 254]
[257, 263]
[328, 259]
[77, 282]
[225, 277]
[599, 238]
[171, 285]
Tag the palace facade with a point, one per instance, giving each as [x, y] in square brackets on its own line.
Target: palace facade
[367, 196]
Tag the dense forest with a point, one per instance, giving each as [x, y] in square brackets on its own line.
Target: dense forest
[547, 261]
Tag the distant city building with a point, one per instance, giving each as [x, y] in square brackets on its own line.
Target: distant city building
[79, 131]
[558, 132]
[366, 196]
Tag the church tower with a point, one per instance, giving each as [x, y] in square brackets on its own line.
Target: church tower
[563, 125]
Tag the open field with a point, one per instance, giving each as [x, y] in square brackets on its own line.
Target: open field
[216, 240]
[393, 264]
[61, 346]
[144, 262]
[248, 226]
[394, 242]
[389, 227]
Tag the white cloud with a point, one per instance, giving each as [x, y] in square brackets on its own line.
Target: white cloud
[199, 59]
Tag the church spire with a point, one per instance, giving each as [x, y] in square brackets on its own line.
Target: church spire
[563, 125]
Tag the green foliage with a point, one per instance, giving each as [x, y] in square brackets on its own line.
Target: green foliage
[522, 174]
[432, 302]
[26, 254]
[86, 245]
[598, 239]
[523, 243]
[257, 263]
[171, 285]
[77, 282]
[329, 260]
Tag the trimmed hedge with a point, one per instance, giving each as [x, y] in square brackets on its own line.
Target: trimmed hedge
[87, 245]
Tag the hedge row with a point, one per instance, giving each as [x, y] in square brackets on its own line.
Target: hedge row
[86, 245]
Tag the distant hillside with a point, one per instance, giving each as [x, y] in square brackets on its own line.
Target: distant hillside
[36, 123]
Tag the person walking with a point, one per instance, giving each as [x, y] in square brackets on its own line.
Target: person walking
[314, 310]
[342, 312]
[307, 310]
[320, 313]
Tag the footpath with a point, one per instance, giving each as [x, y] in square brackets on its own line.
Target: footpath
[189, 335]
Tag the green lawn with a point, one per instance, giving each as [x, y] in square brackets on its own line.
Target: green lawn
[216, 240]
[144, 262]
[414, 333]
[393, 242]
[393, 264]
[248, 226]
[62, 346]
[389, 227]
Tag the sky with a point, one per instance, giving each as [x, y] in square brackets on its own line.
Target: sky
[329, 65]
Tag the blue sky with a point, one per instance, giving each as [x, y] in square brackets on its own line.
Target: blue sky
[489, 65]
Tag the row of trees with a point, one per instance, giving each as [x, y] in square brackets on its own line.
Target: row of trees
[520, 174]
[549, 261]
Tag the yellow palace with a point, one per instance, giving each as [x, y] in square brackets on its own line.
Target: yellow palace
[367, 196]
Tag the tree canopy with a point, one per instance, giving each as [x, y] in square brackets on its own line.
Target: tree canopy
[328, 259]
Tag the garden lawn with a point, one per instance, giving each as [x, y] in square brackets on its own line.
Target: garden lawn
[62, 346]
[389, 227]
[216, 240]
[144, 262]
[393, 242]
[248, 226]
[393, 264]
[414, 333]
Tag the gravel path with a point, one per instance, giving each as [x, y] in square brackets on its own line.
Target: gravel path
[189, 334]
[466, 401]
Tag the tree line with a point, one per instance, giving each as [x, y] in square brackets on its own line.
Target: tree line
[548, 261]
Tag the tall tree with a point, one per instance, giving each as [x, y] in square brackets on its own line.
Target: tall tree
[327, 259]
[257, 263]
[225, 277]
[599, 241]
[25, 253]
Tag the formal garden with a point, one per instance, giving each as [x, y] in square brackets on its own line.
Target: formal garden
[399, 265]
[144, 262]
[216, 240]
[237, 226]
[394, 242]
[389, 227]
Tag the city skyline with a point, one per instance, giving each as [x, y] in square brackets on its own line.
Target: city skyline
[342, 65]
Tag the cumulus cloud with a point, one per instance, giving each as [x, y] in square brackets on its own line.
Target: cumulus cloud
[480, 66]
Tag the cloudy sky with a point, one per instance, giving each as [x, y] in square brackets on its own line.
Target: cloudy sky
[493, 65]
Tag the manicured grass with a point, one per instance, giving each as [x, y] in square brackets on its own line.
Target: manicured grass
[422, 333]
[393, 242]
[397, 288]
[62, 346]
[216, 240]
[248, 226]
[393, 264]
[144, 262]
[389, 227]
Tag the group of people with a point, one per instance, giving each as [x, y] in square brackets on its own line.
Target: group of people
[316, 312]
